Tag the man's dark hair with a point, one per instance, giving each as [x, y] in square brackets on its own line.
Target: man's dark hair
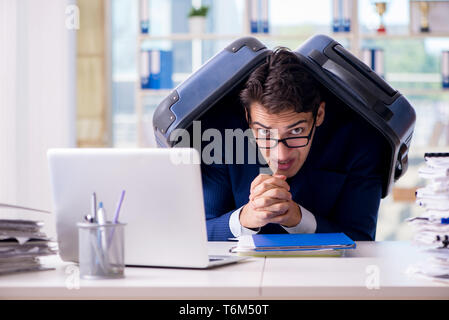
[282, 83]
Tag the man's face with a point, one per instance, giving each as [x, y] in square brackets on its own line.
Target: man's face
[287, 124]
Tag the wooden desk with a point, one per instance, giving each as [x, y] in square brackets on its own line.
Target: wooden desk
[257, 278]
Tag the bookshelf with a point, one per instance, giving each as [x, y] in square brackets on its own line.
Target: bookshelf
[354, 42]
[405, 36]
[210, 36]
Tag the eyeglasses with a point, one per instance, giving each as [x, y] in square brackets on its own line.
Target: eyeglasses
[291, 142]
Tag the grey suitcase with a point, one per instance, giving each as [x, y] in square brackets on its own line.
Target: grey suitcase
[341, 73]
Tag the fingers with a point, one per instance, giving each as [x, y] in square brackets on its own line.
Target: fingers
[267, 216]
[290, 218]
[280, 212]
[278, 208]
[278, 218]
[271, 196]
[252, 218]
[262, 177]
[262, 202]
[268, 183]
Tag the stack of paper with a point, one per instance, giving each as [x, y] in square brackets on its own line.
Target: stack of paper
[432, 226]
[314, 244]
[21, 245]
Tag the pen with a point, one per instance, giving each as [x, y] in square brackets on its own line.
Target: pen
[117, 212]
[119, 205]
[94, 206]
[101, 236]
[101, 214]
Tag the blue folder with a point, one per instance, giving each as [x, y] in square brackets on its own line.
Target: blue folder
[157, 74]
[302, 241]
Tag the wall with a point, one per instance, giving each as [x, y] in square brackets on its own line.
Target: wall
[37, 99]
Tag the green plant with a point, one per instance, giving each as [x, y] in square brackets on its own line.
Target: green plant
[198, 12]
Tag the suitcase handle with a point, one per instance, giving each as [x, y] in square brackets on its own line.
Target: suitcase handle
[338, 71]
[364, 69]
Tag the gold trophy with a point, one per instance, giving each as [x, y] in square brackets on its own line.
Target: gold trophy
[381, 7]
[424, 8]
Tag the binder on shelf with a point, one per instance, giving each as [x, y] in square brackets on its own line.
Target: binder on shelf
[445, 68]
[264, 26]
[346, 16]
[336, 15]
[258, 16]
[156, 69]
[253, 15]
[311, 244]
[341, 15]
[374, 58]
[144, 16]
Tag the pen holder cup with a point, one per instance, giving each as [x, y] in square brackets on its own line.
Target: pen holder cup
[101, 250]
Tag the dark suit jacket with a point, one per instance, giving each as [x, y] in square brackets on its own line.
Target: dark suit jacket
[340, 182]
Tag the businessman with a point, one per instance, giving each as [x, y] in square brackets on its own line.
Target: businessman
[325, 161]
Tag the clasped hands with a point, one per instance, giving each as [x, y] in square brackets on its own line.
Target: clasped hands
[270, 201]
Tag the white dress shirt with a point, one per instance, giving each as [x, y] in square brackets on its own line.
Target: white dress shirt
[306, 225]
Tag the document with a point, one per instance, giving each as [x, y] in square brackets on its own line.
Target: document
[22, 242]
[314, 244]
[431, 227]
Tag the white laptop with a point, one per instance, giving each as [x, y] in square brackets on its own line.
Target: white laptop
[163, 205]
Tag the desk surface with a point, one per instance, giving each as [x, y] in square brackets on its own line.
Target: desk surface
[354, 276]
